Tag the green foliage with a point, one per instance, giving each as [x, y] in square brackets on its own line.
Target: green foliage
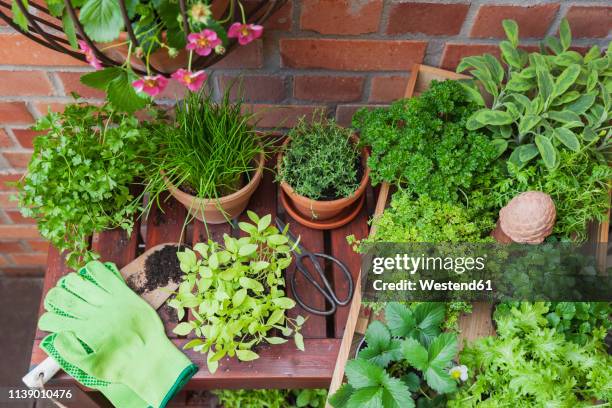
[235, 292]
[79, 177]
[117, 83]
[406, 360]
[578, 186]
[321, 162]
[252, 398]
[270, 398]
[529, 364]
[425, 220]
[576, 320]
[547, 102]
[422, 144]
[310, 398]
[210, 149]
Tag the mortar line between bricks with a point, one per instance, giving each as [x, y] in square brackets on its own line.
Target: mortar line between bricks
[56, 82]
[11, 135]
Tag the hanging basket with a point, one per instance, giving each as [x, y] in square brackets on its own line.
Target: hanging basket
[47, 30]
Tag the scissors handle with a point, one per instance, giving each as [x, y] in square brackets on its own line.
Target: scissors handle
[327, 291]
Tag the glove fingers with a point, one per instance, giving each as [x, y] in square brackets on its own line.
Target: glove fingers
[59, 299]
[84, 288]
[53, 322]
[71, 350]
[103, 276]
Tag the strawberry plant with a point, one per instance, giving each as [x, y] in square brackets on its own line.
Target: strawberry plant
[406, 361]
[235, 293]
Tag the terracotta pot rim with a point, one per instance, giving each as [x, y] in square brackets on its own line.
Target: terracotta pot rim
[329, 203]
[251, 185]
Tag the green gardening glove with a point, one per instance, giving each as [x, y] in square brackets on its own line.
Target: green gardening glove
[96, 311]
[118, 394]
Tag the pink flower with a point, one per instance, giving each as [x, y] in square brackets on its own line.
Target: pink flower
[151, 85]
[203, 42]
[192, 80]
[89, 55]
[245, 32]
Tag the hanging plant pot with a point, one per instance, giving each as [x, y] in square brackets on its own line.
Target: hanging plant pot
[324, 214]
[223, 209]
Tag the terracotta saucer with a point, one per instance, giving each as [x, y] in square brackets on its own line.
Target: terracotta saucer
[341, 219]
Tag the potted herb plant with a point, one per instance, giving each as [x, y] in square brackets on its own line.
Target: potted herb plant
[235, 292]
[211, 159]
[80, 176]
[322, 172]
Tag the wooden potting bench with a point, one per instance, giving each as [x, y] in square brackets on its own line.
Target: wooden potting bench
[279, 366]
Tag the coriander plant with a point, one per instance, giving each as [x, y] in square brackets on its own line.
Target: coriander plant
[80, 176]
[406, 361]
[235, 293]
[321, 161]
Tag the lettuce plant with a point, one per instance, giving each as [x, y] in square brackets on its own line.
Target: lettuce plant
[530, 364]
[406, 360]
[235, 293]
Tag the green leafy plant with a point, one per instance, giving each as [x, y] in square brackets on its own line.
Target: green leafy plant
[578, 185]
[576, 320]
[422, 144]
[426, 220]
[314, 398]
[530, 364]
[157, 27]
[321, 161]
[271, 398]
[210, 148]
[235, 292]
[406, 360]
[252, 398]
[545, 101]
[80, 176]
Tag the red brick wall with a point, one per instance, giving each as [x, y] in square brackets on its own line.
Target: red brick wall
[332, 53]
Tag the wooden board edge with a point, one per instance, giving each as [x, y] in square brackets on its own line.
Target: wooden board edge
[356, 311]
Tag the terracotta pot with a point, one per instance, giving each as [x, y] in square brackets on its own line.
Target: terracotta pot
[218, 211]
[324, 210]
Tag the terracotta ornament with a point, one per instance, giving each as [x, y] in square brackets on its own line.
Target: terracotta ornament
[527, 219]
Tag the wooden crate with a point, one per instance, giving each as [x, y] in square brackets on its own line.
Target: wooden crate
[472, 326]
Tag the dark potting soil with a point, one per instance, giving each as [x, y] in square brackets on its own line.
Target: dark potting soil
[161, 267]
[331, 193]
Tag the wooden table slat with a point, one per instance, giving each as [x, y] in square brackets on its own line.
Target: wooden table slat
[116, 246]
[56, 268]
[343, 251]
[279, 366]
[313, 240]
[167, 225]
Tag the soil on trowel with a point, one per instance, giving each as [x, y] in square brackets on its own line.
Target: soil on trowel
[161, 268]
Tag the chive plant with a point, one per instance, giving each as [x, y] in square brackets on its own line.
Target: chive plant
[210, 149]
